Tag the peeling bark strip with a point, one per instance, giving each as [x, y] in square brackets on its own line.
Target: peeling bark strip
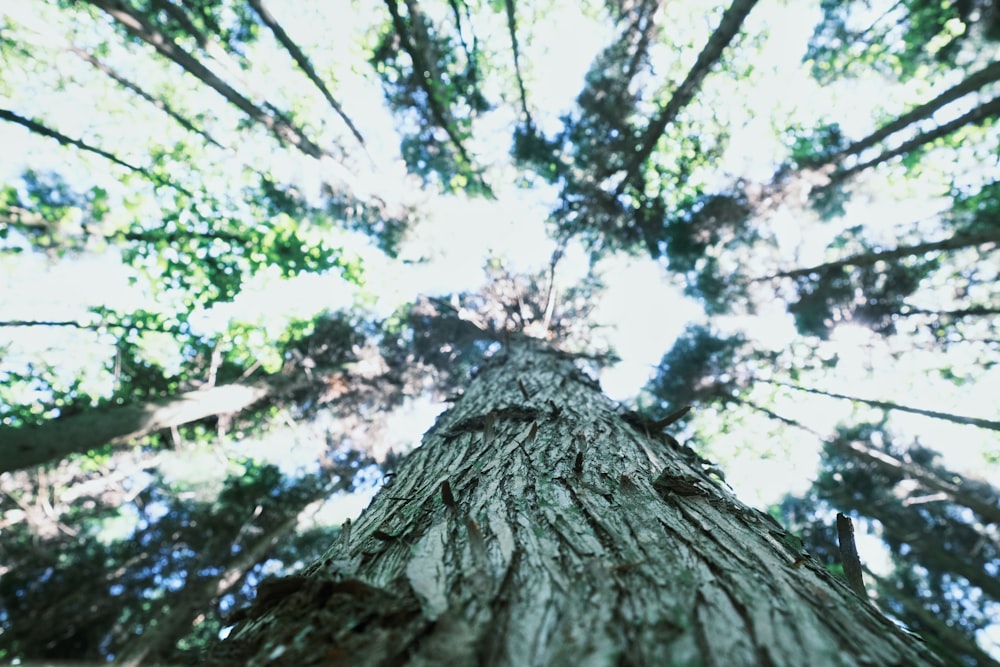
[849, 557]
[540, 560]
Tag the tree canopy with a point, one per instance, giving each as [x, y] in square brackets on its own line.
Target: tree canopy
[250, 249]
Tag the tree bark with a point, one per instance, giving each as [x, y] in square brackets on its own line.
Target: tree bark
[34, 445]
[729, 26]
[538, 525]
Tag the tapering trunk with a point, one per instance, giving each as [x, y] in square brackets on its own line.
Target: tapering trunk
[303, 62]
[955, 492]
[45, 131]
[416, 42]
[516, 50]
[538, 525]
[982, 112]
[137, 25]
[155, 101]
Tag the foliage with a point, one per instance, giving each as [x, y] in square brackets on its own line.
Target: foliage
[698, 368]
[166, 547]
[898, 38]
[431, 77]
[832, 296]
[811, 147]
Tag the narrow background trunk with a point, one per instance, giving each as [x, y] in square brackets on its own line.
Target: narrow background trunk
[76, 434]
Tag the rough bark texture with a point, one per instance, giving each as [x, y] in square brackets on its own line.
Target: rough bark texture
[538, 525]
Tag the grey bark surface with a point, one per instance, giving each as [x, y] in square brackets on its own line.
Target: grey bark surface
[538, 525]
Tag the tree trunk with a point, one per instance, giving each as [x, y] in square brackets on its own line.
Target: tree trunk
[982, 112]
[538, 525]
[971, 311]
[136, 25]
[889, 405]
[303, 62]
[160, 104]
[34, 445]
[45, 131]
[728, 28]
[515, 49]
[970, 84]
[956, 242]
[981, 504]
[425, 70]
